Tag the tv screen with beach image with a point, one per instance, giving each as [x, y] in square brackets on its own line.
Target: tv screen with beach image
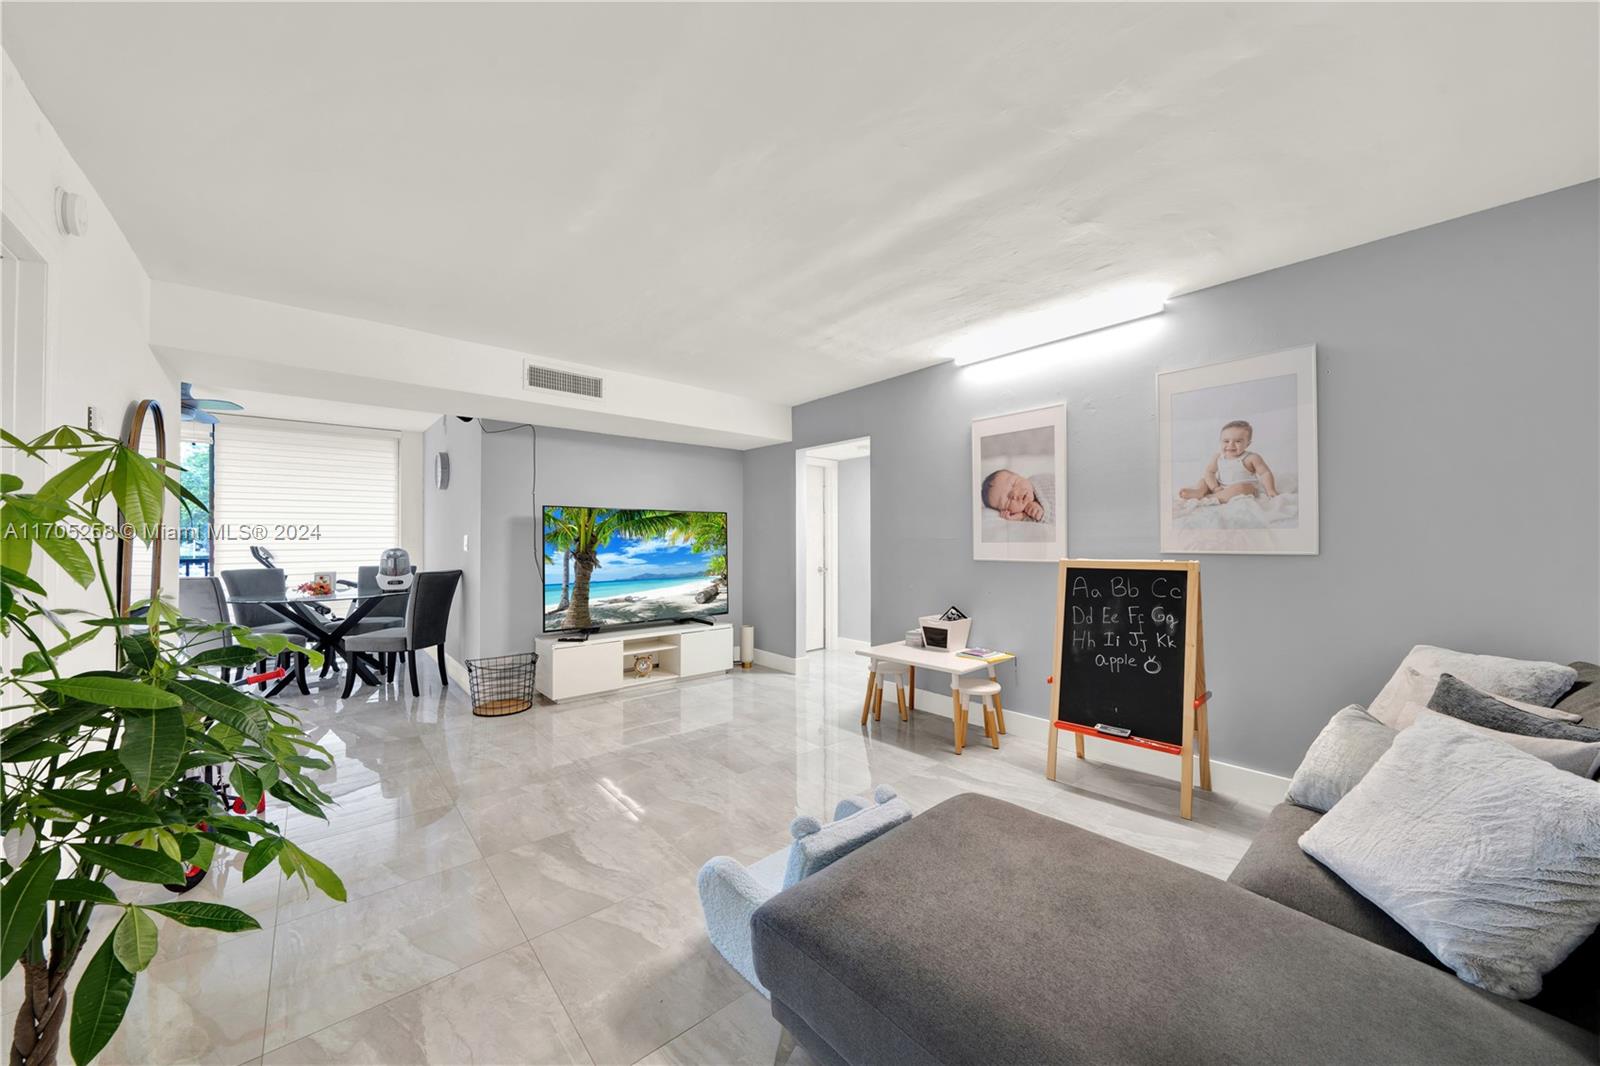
[606, 567]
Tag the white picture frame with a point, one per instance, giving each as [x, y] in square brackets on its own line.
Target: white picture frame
[1263, 500]
[1026, 455]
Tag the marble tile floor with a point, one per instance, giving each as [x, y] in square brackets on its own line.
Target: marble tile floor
[521, 889]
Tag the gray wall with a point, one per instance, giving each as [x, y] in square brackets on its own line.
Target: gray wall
[587, 468]
[855, 549]
[449, 515]
[1459, 457]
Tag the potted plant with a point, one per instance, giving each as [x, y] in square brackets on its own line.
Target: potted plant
[98, 768]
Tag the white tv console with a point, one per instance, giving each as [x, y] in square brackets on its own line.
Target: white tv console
[604, 662]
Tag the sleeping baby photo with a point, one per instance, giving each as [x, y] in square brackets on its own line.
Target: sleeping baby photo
[1018, 464]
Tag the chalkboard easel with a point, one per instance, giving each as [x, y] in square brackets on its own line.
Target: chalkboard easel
[1130, 662]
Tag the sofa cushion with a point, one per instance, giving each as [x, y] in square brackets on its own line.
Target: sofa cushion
[1339, 758]
[1488, 855]
[1276, 868]
[1530, 680]
[1456, 698]
[981, 932]
[1583, 698]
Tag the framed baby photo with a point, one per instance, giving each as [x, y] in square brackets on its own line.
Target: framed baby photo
[1019, 486]
[1238, 456]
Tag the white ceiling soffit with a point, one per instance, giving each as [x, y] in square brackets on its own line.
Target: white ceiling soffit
[324, 410]
[783, 201]
[860, 448]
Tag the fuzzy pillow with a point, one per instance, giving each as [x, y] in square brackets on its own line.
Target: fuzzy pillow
[1536, 682]
[1458, 699]
[1340, 757]
[1574, 756]
[1484, 853]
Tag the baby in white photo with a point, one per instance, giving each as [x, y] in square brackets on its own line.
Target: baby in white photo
[1020, 499]
[1234, 470]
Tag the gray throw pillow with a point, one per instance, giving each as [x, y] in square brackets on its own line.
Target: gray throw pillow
[1529, 680]
[1340, 757]
[1484, 853]
[1456, 698]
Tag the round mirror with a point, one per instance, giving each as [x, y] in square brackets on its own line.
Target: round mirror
[138, 561]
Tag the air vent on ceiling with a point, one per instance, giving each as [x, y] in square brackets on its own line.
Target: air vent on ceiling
[551, 379]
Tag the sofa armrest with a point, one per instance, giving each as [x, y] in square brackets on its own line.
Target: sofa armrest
[729, 895]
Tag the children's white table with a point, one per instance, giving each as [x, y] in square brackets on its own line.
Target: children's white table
[944, 662]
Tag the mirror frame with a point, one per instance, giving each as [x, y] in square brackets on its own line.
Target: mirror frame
[127, 543]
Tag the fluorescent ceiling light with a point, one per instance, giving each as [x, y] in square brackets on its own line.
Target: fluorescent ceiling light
[1034, 329]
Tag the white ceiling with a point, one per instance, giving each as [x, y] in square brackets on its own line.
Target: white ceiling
[784, 201]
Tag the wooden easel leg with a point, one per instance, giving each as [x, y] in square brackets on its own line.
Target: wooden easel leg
[866, 704]
[1186, 782]
[1050, 759]
[1077, 744]
[1204, 727]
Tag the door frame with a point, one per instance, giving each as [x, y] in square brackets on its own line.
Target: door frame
[830, 552]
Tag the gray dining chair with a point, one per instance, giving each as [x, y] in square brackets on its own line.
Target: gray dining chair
[256, 617]
[390, 611]
[204, 600]
[426, 623]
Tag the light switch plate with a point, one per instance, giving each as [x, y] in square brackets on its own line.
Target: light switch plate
[464, 537]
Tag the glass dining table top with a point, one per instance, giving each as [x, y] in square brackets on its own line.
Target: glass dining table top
[338, 596]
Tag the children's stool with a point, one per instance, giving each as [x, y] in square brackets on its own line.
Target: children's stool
[984, 693]
[882, 673]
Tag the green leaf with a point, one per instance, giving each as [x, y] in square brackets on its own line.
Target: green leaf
[20, 580]
[136, 485]
[297, 799]
[98, 1003]
[134, 864]
[152, 746]
[50, 724]
[224, 703]
[261, 856]
[138, 652]
[229, 656]
[16, 546]
[207, 916]
[35, 663]
[82, 888]
[22, 901]
[68, 554]
[42, 750]
[91, 762]
[114, 692]
[10, 483]
[247, 785]
[320, 875]
[92, 801]
[135, 940]
[65, 485]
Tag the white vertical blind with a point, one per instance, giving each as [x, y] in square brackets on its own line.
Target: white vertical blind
[318, 497]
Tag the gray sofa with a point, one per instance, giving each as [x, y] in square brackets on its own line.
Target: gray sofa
[980, 932]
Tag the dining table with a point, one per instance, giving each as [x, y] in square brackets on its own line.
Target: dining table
[327, 631]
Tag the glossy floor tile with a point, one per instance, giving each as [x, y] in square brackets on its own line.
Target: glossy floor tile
[522, 889]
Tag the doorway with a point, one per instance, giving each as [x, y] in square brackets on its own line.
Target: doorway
[835, 577]
[24, 314]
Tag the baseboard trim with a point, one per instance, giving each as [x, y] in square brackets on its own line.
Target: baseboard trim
[457, 671]
[850, 644]
[782, 663]
[1256, 787]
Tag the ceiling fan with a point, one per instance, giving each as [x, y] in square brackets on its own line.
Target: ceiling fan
[199, 410]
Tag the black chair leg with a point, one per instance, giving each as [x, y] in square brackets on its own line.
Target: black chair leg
[301, 665]
[261, 668]
[411, 661]
[388, 666]
[444, 679]
[349, 673]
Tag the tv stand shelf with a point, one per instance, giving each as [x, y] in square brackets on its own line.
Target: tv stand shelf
[604, 662]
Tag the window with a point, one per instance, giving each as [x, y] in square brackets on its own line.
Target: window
[194, 545]
[317, 497]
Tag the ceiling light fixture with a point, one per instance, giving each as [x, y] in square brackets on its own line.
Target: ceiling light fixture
[1035, 329]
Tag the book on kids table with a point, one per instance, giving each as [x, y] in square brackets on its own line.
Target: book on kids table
[988, 655]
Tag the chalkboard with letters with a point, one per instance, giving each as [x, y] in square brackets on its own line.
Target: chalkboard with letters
[1126, 650]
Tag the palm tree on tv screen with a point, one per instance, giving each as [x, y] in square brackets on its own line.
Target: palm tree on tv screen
[561, 534]
[707, 533]
[593, 530]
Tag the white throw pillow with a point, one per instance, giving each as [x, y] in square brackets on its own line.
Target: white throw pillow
[1574, 756]
[1539, 683]
[1417, 688]
[1486, 854]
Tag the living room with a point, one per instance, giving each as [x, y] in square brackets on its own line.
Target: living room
[554, 533]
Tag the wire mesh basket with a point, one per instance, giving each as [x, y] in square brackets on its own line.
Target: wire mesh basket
[502, 684]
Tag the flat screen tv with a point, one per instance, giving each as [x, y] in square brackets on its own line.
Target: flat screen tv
[606, 567]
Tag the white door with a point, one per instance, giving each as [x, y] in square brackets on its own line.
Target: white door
[22, 393]
[816, 556]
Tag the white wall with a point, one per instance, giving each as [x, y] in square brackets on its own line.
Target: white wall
[97, 339]
[453, 524]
